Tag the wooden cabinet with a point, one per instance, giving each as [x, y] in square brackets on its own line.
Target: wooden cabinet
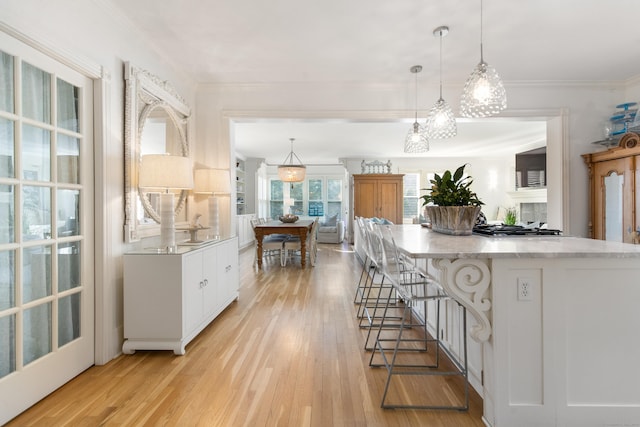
[378, 195]
[614, 191]
[170, 298]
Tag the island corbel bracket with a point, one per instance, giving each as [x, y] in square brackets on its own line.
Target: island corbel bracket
[468, 281]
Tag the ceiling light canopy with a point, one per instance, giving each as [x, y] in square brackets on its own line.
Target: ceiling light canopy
[289, 171]
[416, 140]
[483, 94]
[441, 122]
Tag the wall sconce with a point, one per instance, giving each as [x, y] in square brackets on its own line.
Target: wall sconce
[213, 182]
[166, 172]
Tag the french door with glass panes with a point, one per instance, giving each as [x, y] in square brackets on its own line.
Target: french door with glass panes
[46, 226]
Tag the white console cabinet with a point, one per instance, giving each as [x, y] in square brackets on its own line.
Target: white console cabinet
[170, 298]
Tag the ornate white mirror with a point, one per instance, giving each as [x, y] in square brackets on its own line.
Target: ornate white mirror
[156, 122]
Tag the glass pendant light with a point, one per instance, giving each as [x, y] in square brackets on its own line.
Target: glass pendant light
[483, 94]
[441, 122]
[289, 171]
[416, 140]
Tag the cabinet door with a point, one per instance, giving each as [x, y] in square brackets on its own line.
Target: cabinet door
[614, 200]
[192, 288]
[153, 297]
[228, 271]
[365, 202]
[390, 200]
[211, 292]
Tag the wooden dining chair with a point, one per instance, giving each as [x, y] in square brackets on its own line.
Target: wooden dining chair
[272, 245]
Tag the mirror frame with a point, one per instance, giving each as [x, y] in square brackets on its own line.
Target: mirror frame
[145, 92]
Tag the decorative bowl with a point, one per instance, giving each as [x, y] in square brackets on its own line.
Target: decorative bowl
[289, 219]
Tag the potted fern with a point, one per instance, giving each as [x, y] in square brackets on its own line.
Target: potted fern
[450, 204]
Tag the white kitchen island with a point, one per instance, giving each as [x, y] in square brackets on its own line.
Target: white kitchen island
[557, 319]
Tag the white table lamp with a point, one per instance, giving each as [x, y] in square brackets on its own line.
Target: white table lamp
[168, 173]
[213, 182]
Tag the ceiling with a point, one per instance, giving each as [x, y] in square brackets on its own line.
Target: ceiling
[374, 41]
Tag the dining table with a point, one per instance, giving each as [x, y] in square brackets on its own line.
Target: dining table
[299, 228]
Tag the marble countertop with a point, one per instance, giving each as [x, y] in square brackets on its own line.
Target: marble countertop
[181, 248]
[420, 242]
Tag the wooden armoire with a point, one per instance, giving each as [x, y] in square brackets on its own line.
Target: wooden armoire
[378, 195]
[614, 185]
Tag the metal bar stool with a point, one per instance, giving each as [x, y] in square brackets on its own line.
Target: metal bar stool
[377, 296]
[409, 354]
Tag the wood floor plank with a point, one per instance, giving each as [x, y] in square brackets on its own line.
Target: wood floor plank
[289, 352]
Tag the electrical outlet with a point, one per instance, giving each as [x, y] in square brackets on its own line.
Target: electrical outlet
[525, 291]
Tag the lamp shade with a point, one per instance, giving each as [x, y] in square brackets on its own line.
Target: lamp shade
[289, 171]
[292, 173]
[165, 171]
[416, 141]
[210, 181]
[483, 94]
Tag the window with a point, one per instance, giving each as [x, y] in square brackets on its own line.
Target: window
[316, 197]
[276, 201]
[285, 198]
[316, 204]
[334, 197]
[411, 197]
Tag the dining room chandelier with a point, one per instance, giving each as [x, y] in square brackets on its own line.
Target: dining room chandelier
[441, 122]
[289, 171]
[416, 140]
[483, 94]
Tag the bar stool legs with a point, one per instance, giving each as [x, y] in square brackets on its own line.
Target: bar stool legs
[397, 373]
[414, 355]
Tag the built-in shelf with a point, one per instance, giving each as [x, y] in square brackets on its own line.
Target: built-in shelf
[240, 193]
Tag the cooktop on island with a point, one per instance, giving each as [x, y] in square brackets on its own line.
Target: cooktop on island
[513, 230]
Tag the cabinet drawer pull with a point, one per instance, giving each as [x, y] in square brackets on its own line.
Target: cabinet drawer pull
[201, 285]
[206, 282]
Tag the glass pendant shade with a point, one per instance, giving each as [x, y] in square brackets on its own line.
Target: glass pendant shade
[416, 140]
[483, 94]
[290, 172]
[441, 122]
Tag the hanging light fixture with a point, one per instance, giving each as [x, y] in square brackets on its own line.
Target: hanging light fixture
[483, 94]
[290, 172]
[441, 122]
[416, 140]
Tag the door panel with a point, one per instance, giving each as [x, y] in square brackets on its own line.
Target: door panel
[46, 226]
[614, 199]
[365, 203]
[390, 198]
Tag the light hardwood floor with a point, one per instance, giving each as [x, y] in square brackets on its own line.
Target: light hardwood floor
[289, 352]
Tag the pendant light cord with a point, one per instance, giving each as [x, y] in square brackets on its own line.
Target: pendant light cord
[440, 64]
[481, 19]
[416, 96]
